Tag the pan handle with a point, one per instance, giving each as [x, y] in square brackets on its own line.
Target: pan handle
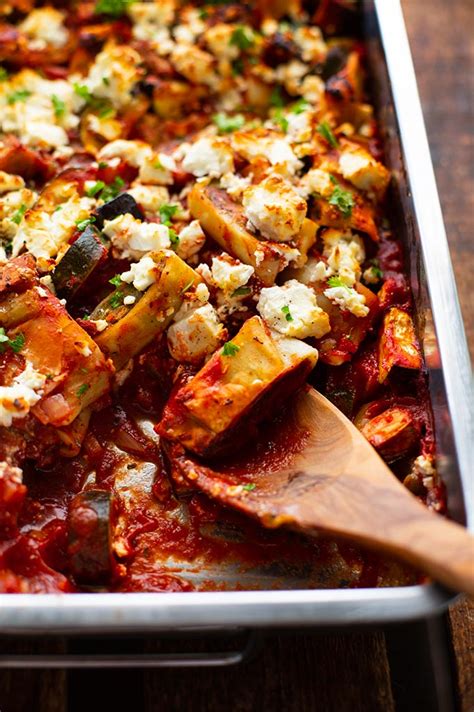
[140, 660]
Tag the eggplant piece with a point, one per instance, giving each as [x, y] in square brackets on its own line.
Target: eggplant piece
[79, 262]
[398, 344]
[123, 203]
[393, 433]
[90, 537]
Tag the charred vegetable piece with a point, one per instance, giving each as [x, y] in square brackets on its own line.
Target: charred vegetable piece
[112, 307]
[393, 433]
[90, 540]
[240, 385]
[226, 223]
[78, 264]
[72, 436]
[153, 312]
[398, 345]
[123, 203]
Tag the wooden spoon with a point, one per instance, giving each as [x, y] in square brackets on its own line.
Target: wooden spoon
[318, 473]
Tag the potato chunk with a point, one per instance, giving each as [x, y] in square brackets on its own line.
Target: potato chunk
[398, 345]
[238, 386]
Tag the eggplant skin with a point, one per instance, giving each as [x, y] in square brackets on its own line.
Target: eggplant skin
[89, 533]
[123, 203]
[77, 265]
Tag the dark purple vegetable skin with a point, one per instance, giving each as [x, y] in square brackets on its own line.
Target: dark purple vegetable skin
[78, 264]
[90, 554]
[123, 203]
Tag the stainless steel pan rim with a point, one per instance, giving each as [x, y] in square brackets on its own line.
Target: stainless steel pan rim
[140, 612]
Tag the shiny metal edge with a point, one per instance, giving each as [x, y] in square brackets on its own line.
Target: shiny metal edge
[139, 612]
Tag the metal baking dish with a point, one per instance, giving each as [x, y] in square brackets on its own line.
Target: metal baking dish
[440, 326]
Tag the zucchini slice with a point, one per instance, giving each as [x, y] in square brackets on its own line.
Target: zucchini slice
[123, 203]
[153, 311]
[90, 537]
[79, 262]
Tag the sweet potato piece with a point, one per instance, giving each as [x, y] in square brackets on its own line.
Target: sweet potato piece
[152, 313]
[225, 222]
[361, 218]
[238, 386]
[393, 433]
[398, 345]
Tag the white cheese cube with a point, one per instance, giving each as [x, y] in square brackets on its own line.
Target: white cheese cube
[209, 157]
[44, 26]
[348, 299]
[132, 152]
[17, 399]
[196, 335]
[149, 197]
[362, 170]
[158, 169]
[141, 274]
[191, 240]
[344, 252]
[132, 238]
[230, 274]
[292, 310]
[275, 208]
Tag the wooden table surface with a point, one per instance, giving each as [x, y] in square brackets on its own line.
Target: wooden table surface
[347, 672]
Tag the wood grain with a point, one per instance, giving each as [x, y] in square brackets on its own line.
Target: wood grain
[336, 672]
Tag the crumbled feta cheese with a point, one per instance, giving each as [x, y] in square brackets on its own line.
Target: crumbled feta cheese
[141, 274]
[218, 40]
[114, 73]
[291, 74]
[100, 324]
[129, 300]
[191, 240]
[348, 299]
[132, 238]
[209, 157]
[316, 181]
[344, 252]
[149, 197]
[44, 26]
[300, 126]
[151, 21]
[362, 170]
[292, 310]
[312, 89]
[17, 399]
[266, 144]
[190, 27]
[10, 182]
[43, 233]
[281, 154]
[193, 337]
[230, 274]
[202, 292]
[133, 152]
[311, 43]
[371, 275]
[194, 64]
[314, 270]
[234, 184]
[157, 169]
[83, 348]
[275, 208]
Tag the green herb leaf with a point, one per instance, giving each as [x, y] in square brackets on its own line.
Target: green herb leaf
[116, 281]
[20, 95]
[106, 112]
[287, 313]
[189, 284]
[230, 349]
[102, 164]
[17, 216]
[281, 120]
[3, 74]
[115, 300]
[325, 131]
[159, 166]
[299, 106]
[242, 38]
[338, 282]
[115, 8]
[3, 337]
[342, 199]
[82, 224]
[250, 487]
[96, 188]
[83, 91]
[82, 389]
[276, 98]
[59, 106]
[111, 191]
[237, 67]
[173, 235]
[241, 291]
[226, 124]
[167, 211]
[17, 343]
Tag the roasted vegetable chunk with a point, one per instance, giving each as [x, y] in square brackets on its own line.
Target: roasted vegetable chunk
[237, 386]
[398, 345]
[78, 264]
[152, 312]
[393, 433]
[123, 203]
[90, 539]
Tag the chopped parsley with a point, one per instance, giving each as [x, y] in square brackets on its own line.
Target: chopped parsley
[20, 95]
[116, 281]
[281, 120]
[189, 284]
[17, 216]
[338, 282]
[82, 224]
[276, 98]
[83, 91]
[82, 389]
[374, 266]
[242, 38]
[248, 488]
[325, 131]
[115, 8]
[112, 190]
[230, 349]
[342, 199]
[299, 106]
[167, 212]
[107, 112]
[173, 235]
[102, 164]
[226, 124]
[158, 165]
[3, 74]
[237, 67]
[115, 300]
[241, 292]
[59, 106]
[287, 313]
[96, 188]
[16, 344]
